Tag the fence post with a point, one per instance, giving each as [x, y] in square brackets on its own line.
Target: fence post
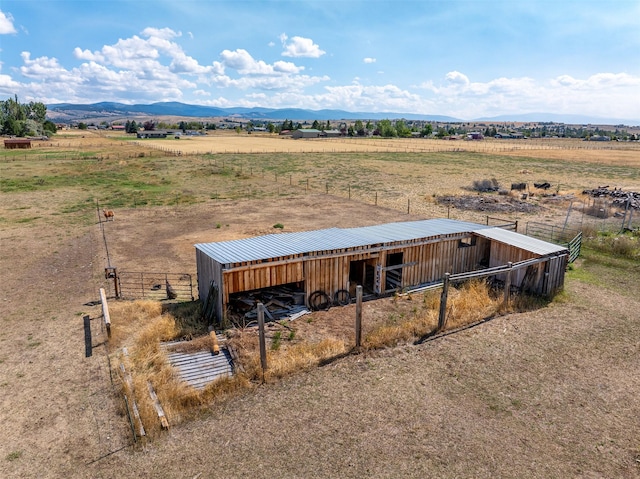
[507, 285]
[358, 316]
[408, 205]
[263, 346]
[442, 317]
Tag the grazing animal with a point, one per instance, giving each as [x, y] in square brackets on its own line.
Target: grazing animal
[519, 186]
[108, 214]
[171, 293]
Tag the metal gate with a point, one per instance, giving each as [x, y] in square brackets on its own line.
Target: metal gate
[155, 286]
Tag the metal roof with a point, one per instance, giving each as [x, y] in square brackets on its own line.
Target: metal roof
[292, 244]
[521, 241]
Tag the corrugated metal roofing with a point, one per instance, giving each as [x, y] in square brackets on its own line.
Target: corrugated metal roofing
[291, 244]
[521, 241]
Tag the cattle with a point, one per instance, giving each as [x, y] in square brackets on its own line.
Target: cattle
[518, 186]
[108, 215]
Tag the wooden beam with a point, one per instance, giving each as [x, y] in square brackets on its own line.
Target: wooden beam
[105, 312]
[164, 423]
[215, 347]
[263, 346]
[358, 316]
[128, 380]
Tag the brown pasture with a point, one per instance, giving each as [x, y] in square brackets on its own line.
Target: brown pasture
[547, 393]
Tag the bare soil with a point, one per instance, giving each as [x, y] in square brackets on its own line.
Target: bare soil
[550, 393]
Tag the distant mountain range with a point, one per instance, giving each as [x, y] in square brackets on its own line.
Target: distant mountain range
[106, 110]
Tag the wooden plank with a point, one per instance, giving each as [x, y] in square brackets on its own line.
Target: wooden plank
[134, 406]
[164, 423]
[105, 312]
[215, 347]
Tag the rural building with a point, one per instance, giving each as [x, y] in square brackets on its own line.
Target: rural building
[153, 134]
[333, 133]
[475, 135]
[383, 259]
[306, 133]
[17, 143]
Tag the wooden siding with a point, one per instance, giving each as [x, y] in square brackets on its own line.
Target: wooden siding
[423, 261]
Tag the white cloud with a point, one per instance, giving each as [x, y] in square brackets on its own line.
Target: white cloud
[602, 94]
[300, 47]
[165, 33]
[6, 24]
[369, 60]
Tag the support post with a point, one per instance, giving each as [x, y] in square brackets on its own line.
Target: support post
[105, 312]
[442, 316]
[263, 346]
[88, 348]
[507, 285]
[358, 316]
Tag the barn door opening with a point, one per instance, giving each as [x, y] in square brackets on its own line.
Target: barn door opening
[393, 279]
[361, 272]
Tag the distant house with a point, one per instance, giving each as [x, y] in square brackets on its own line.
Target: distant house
[475, 135]
[599, 138]
[306, 133]
[117, 127]
[152, 134]
[332, 133]
[17, 143]
[285, 133]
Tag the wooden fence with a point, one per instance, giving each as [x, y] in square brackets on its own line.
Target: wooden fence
[507, 270]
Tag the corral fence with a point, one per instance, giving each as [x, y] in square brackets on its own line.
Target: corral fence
[568, 237]
[544, 268]
[154, 285]
[502, 223]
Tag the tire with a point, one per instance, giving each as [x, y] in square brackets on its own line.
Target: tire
[342, 297]
[319, 301]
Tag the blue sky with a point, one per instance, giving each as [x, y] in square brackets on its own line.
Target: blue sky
[462, 58]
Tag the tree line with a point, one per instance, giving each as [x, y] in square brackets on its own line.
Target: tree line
[25, 119]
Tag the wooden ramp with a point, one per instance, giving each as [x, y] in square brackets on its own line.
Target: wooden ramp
[200, 368]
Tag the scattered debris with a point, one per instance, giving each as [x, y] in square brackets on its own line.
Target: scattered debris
[280, 302]
[618, 195]
[490, 204]
[485, 185]
[543, 185]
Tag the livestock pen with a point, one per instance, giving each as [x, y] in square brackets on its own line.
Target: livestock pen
[325, 266]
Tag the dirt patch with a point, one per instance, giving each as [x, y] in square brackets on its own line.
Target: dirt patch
[490, 204]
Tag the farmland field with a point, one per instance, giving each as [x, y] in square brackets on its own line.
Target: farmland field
[546, 393]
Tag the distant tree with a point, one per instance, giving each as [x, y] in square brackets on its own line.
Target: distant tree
[387, 130]
[369, 125]
[149, 125]
[359, 128]
[351, 131]
[328, 127]
[315, 125]
[298, 126]
[49, 127]
[401, 129]
[82, 126]
[427, 130]
[183, 126]
[441, 132]
[271, 127]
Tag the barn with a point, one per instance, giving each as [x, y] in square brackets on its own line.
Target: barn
[14, 143]
[306, 133]
[382, 258]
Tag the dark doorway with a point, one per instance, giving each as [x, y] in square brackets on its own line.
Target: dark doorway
[393, 279]
[362, 272]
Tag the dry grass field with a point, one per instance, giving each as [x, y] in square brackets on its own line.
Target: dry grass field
[545, 393]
